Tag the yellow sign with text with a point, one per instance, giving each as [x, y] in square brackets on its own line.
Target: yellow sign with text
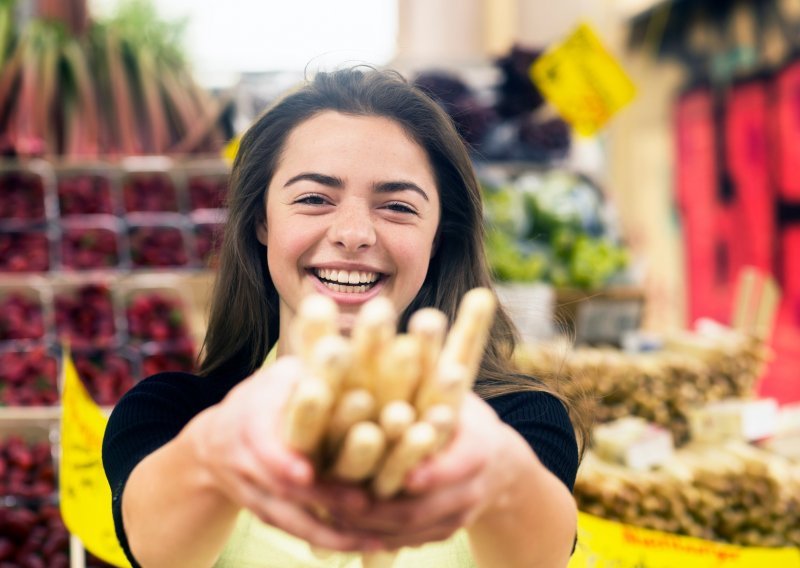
[83, 489]
[607, 544]
[585, 83]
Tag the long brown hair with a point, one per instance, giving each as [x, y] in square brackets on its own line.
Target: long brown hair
[243, 323]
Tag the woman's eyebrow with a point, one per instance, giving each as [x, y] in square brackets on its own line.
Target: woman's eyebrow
[392, 186]
[338, 183]
[322, 179]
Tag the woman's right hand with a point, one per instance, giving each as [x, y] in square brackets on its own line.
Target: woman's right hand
[239, 444]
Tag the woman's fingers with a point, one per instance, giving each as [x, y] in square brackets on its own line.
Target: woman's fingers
[419, 513]
[464, 457]
[301, 523]
[442, 531]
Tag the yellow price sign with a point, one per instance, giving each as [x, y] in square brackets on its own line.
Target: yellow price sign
[603, 543]
[84, 493]
[583, 80]
[231, 149]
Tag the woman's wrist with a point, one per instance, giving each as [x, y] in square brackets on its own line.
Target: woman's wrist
[531, 521]
[519, 467]
[200, 456]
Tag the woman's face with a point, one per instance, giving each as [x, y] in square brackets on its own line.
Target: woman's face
[352, 213]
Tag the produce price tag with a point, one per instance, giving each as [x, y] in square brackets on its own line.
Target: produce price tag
[585, 83]
[604, 543]
[84, 492]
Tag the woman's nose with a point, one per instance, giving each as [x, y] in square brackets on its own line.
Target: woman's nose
[352, 226]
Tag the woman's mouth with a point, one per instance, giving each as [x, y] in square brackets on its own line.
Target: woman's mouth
[347, 281]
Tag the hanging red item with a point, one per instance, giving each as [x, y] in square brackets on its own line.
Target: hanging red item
[782, 379]
[786, 128]
[746, 139]
[696, 183]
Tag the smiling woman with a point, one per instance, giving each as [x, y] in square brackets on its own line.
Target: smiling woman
[355, 186]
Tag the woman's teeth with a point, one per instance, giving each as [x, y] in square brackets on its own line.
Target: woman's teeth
[354, 282]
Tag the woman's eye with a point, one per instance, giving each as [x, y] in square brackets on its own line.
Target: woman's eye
[311, 200]
[401, 208]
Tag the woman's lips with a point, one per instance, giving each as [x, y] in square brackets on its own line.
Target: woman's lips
[348, 293]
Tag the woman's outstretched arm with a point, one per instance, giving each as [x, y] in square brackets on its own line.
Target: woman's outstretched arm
[181, 502]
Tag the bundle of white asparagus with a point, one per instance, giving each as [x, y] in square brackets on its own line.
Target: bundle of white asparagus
[378, 403]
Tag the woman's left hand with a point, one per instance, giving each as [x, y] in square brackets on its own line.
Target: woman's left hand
[477, 469]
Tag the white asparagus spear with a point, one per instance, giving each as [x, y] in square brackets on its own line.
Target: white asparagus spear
[467, 339]
[429, 325]
[317, 316]
[399, 370]
[443, 418]
[331, 360]
[374, 328]
[353, 406]
[307, 415]
[416, 444]
[449, 385]
[395, 418]
[361, 451]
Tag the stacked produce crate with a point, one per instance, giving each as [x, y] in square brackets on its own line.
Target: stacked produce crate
[101, 257]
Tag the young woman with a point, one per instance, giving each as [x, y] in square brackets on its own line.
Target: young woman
[354, 186]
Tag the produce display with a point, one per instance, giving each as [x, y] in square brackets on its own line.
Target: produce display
[28, 377]
[149, 192]
[552, 227]
[662, 387]
[135, 215]
[26, 469]
[510, 122]
[85, 316]
[156, 316]
[84, 194]
[34, 537]
[23, 196]
[207, 191]
[472, 118]
[158, 246]
[85, 248]
[120, 86]
[21, 317]
[733, 493]
[119, 330]
[32, 533]
[106, 374]
[728, 490]
[24, 251]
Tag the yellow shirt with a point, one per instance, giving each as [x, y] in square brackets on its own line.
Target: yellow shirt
[254, 544]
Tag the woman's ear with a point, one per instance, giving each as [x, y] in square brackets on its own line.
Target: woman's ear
[262, 233]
